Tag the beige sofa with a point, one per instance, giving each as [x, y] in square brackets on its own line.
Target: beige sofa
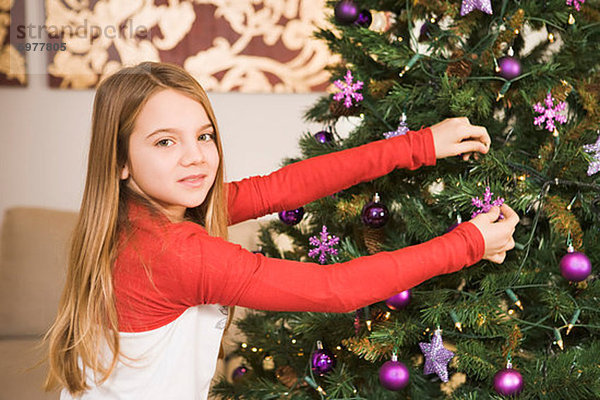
[33, 252]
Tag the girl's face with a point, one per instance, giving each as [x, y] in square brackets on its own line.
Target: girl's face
[172, 139]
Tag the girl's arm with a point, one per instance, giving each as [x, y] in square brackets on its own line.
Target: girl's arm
[305, 181]
[210, 270]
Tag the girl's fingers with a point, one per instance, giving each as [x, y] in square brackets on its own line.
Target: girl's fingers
[477, 134]
[510, 216]
[471, 146]
[466, 157]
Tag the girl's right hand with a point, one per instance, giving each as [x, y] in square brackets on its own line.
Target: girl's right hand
[497, 235]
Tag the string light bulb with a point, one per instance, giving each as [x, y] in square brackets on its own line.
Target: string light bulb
[401, 74]
[457, 323]
[481, 319]
[514, 298]
[313, 385]
[573, 320]
[571, 203]
[551, 37]
[559, 342]
[410, 63]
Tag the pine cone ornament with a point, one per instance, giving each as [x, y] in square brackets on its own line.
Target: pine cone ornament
[380, 88]
[286, 375]
[460, 68]
[373, 238]
[338, 109]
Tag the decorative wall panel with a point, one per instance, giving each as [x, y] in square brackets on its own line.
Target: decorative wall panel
[12, 50]
[227, 45]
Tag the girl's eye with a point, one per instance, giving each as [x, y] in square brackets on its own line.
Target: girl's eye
[161, 141]
[210, 135]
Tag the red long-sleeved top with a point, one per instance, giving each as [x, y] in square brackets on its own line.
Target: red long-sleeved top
[190, 267]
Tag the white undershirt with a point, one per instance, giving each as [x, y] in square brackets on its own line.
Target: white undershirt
[179, 360]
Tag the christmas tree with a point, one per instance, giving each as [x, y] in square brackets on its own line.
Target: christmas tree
[529, 72]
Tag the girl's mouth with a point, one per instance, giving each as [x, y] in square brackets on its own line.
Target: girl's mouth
[193, 181]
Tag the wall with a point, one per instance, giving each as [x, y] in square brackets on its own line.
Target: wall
[45, 135]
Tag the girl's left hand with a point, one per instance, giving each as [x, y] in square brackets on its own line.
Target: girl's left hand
[456, 136]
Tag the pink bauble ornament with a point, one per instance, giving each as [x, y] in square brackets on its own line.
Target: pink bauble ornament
[239, 373]
[394, 375]
[322, 360]
[508, 382]
[346, 12]
[399, 301]
[510, 67]
[575, 266]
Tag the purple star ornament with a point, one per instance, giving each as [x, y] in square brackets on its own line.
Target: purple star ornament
[470, 5]
[595, 164]
[437, 356]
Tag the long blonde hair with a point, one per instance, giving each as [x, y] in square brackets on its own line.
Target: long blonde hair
[87, 311]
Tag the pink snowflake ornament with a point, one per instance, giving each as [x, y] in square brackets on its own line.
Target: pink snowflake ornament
[348, 90]
[575, 3]
[324, 245]
[550, 113]
[486, 204]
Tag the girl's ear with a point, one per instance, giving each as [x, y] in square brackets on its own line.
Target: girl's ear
[125, 172]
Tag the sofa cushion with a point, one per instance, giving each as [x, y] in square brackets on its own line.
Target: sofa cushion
[33, 263]
[33, 257]
[19, 377]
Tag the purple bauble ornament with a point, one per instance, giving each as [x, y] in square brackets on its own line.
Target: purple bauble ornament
[364, 19]
[346, 12]
[399, 301]
[424, 32]
[394, 375]
[454, 225]
[508, 382]
[323, 137]
[375, 214]
[239, 373]
[291, 217]
[575, 266]
[510, 67]
[322, 361]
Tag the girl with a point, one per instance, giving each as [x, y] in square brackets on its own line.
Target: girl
[151, 272]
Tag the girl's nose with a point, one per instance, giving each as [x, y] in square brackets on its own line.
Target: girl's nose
[192, 153]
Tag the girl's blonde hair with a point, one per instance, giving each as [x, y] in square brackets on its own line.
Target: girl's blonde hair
[87, 311]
